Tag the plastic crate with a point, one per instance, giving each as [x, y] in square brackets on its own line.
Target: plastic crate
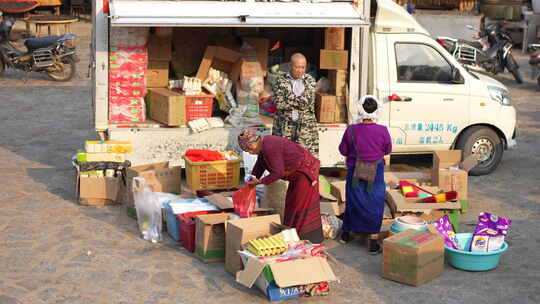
[198, 106]
[186, 228]
[213, 175]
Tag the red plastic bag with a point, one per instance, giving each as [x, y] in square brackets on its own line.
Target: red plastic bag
[244, 201]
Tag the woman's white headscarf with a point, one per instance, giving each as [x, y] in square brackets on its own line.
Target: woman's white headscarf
[362, 114]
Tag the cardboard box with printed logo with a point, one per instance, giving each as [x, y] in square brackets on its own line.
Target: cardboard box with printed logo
[413, 257]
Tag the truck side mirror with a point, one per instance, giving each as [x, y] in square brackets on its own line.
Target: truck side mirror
[457, 78]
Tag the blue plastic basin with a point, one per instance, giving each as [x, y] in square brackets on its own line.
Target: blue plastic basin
[472, 261]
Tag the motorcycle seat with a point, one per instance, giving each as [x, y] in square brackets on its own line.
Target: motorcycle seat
[38, 43]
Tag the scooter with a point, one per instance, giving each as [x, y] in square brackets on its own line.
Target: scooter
[54, 55]
[491, 53]
[534, 61]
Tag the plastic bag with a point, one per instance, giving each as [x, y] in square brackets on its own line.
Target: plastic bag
[444, 227]
[244, 201]
[490, 232]
[330, 226]
[148, 210]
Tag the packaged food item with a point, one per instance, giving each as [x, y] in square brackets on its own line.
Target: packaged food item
[445, 229]
[490, 232]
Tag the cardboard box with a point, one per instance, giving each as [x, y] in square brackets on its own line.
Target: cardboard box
[418, 176]
[159, 176]
[332, 208]
[101, 157]
[239, 232]
[286, 274]
[219, 58]
[334, 60]
[330, 108]
[454, 179]
[109, 146]
[159, 48]
[157, 74]
[262, 46]
[246, 68]
[413, 257]
[167, 106]
[338, 82]
[339, 190]
[399, 203]
[93, 191]
[210, 237]
[334, 38]
[450, 173]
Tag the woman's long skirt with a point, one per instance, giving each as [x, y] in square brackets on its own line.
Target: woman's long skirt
[364, 210]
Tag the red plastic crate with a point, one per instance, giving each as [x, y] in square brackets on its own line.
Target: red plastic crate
[198, 106]
[186, 228]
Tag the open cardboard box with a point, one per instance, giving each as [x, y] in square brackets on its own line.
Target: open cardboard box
[210, 237]
[450, 173]
[279, 281]
[224, 202]
[239, 232]
[399, 203]
[160, 176]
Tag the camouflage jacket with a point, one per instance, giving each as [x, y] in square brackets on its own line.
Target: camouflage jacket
[303, 131]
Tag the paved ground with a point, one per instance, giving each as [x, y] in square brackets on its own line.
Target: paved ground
[55, 251]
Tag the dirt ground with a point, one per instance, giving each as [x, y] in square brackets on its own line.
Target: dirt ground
[54, 251]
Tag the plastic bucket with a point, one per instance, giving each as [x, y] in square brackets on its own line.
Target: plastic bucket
[472, 261]
[397, 228]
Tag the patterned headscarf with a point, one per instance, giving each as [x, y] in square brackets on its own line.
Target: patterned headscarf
[362, 114]
[246, 137]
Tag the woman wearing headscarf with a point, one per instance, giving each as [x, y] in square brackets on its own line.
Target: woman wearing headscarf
[365, 144]
[285, 159]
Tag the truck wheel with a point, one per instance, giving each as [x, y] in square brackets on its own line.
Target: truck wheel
[486, 144]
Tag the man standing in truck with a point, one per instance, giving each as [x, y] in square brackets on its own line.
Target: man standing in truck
[294, 96]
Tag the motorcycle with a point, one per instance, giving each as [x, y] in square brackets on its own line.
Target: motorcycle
[54, 55]
[534, 61]
[491, 53]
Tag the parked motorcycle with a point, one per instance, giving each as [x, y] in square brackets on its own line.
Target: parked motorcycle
[491, 53]
[534, 61]
[54, 55]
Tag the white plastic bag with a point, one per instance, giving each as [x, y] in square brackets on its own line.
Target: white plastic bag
[148, 210]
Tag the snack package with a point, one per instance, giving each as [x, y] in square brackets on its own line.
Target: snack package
[444, 227]
[489, 233]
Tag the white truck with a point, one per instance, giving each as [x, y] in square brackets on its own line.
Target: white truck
[430, 101]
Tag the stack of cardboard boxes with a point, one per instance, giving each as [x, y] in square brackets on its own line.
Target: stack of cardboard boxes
[332, 107]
